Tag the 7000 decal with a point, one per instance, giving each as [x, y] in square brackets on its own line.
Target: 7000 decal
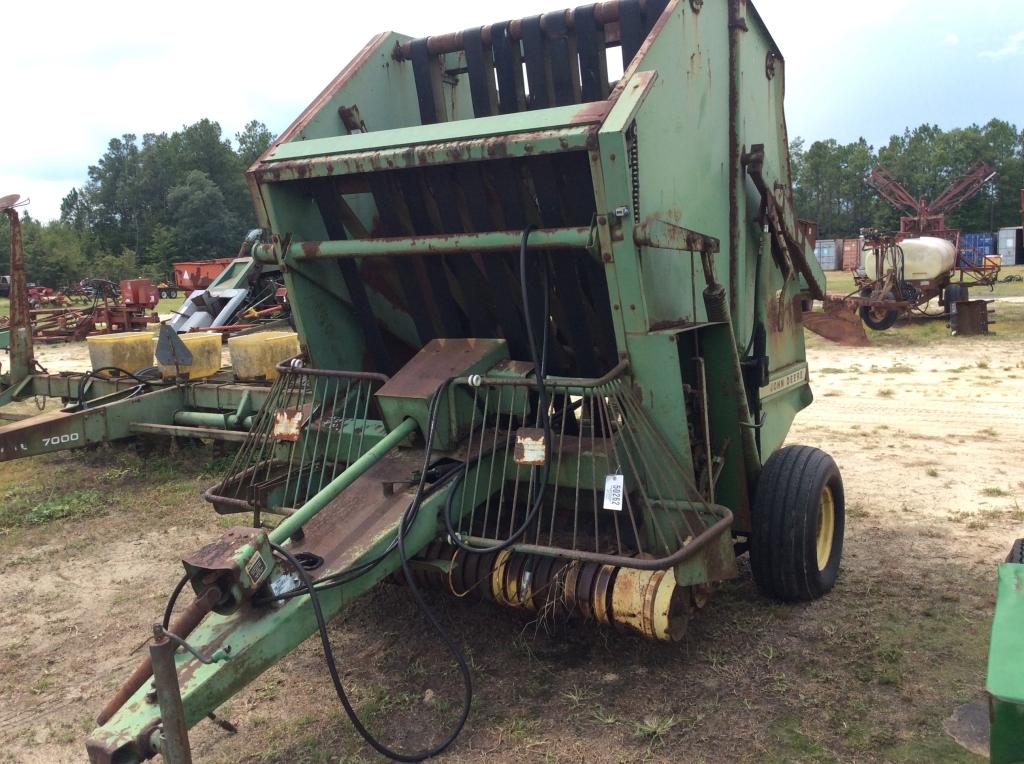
[57, 440]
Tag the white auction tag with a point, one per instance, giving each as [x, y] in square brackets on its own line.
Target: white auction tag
[614, 487]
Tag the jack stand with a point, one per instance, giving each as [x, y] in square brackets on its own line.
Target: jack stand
[173, 742]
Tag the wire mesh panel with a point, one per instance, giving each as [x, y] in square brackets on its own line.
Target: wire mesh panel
[314, 423]
[614, 489]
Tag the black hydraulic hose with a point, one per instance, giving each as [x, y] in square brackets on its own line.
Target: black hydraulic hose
[95, 374]
[407, 519]
[540, 372]
[173, 599]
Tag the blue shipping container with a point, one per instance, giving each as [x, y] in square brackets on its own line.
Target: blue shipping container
[980, 244]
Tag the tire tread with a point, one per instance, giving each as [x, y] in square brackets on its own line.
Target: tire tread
[785, 522]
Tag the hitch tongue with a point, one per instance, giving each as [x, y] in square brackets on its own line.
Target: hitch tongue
[184, 625]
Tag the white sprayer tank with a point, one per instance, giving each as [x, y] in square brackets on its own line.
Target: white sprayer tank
[924, 259]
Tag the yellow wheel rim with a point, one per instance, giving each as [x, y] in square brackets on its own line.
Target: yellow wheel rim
[826, 527]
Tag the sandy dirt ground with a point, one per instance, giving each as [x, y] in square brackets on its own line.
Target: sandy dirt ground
[928, 440]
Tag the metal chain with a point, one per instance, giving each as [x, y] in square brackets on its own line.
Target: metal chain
[634, 167]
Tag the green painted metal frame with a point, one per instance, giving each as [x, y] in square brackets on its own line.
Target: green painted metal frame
[111, 415]
[1005, 682]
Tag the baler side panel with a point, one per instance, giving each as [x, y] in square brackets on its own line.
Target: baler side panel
[326, 323]
[761, 120]
[683, 118]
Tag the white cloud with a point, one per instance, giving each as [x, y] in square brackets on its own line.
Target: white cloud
[1013, 46]
[951, 39]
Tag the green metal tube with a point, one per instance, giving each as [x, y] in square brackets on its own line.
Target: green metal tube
[210, 419]
[582, 237]
[308, 510]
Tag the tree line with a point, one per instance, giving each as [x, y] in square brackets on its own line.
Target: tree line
[146, 204]
[150, 202]
[830, 178]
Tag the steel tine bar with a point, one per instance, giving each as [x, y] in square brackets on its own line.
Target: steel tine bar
[327, 419]
[465, 471]
[367, 398]
[579, 462]
[593, 477]
[269, 409]
[355, 411]
[535, 471]
[334, 434]
[602, 407]
[657, 440]
[652, 438]
[304, 436]
[565, 412]
[515, 491]
[494, 450]
[504, 466]
[616, 436]
[479, 457]
[295, 444]
[643, 473]
[291, 390]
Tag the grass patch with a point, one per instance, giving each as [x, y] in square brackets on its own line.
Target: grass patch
[886, 392]
[31, 510]
[993, 492]
[653, 729]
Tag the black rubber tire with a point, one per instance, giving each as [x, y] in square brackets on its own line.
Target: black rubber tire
[783, 542]
[1016, 552]
[878, 324]
[174, 294]
[163, 294]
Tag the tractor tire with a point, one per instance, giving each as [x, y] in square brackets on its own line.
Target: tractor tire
[163, 294]
[798, 522]
[174, 294]
[1016, 552]
[876, 318]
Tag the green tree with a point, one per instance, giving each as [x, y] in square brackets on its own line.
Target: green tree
[253, 141]
[116, 267]
[161, 251]
[202, 223]
[52, 253]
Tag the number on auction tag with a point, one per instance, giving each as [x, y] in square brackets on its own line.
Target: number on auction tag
[614, 487]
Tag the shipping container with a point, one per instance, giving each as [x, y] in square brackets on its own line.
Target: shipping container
[825, 253]
[981, 244]
[1011, 246]
[852, 254]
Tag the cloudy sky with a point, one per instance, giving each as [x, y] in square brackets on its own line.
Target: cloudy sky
[77, 74]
